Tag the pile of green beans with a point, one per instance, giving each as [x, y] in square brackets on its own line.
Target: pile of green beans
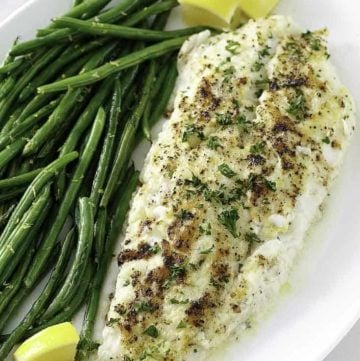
[74, 103]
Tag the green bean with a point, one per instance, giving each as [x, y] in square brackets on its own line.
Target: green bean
[67, 313]
[38, 305]
[86, 233]
[157, 8]
[8, 68]
[11, 194]
[6, 87]
[145, 119]
[12, 306]
[47, 245]
[41, 100]
[166, 91]
[123, 32]
[24, 235]
[105, 251]
[9, 124]
[6, 210]
[86, 7]
[19, 180]
[17, 237]
[127, 141]
[71, 53]
[31, 192]
[119, 209]
[14, 285]
[87, 116]
[160, 21]
[107, 69]
[66, 35]
[108, 146]
[24, 80]
[28, 123]
[85, 343]
[11, 151]
[65, 107]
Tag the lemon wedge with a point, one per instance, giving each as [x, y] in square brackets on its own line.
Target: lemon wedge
[220, 14]
[257, 8]
[224, 14]
[55, 343]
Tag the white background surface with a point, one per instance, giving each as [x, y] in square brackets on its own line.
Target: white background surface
[349, 348]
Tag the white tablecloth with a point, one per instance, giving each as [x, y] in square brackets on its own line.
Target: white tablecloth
[349, 348]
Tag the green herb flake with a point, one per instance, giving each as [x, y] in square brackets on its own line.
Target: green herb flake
[326, 140]
[207, 251]
[205, 228]
[192, 130]
[112, 321]
[232, 47]
[270, 185]
[215, 284]
[314, 42]
[143, 307]
[264, 52]
[258, 148]
[252, 237]
[297, 106]
[214, 143]
[174, 301]
[258, 66]
[152, 331]
[126, 283]
[185, 215]
[228, 219]
[243, 123]
[224, 119]
[225, 170]
[181, 324]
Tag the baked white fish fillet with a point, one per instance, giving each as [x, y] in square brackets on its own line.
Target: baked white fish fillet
[229, 190]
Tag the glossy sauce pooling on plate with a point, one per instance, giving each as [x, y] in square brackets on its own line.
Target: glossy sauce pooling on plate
[258, 131]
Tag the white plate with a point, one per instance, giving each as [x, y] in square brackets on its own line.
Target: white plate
[324, 298]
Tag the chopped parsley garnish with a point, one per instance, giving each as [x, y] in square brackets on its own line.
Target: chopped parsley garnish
[112, 321]
[213, 143]
[143, 307]
[207, 251]
[155, 249]
[185, 215]
[192, 130]
[152, 331]
[174, 301]
[315, 43]
[243, 123]
[258, 66]
[232, 47]
[326, 140]
[126, 283]
[270, 185]
[264, 52]
[181, 324]
[127, 358]
[226, 170]
[252, 237]
[224, 119]
[215, 283]
[228, 219]
[258, 148]
[176, 271]
[297, 106]
[205, 228]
